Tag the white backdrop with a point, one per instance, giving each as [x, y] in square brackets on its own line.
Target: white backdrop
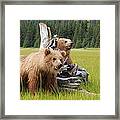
[106, 15]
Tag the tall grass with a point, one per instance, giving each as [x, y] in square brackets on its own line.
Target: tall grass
[86, 58]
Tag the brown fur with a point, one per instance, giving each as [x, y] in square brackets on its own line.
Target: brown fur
[65, 45]
[40, 69]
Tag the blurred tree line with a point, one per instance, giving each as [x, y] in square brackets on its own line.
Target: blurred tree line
[84, 33]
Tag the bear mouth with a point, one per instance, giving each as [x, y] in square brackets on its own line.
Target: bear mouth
[56, 68]
[68, 47]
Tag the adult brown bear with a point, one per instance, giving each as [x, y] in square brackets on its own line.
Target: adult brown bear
[40, 70]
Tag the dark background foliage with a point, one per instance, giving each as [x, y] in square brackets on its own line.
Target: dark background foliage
[84, 33]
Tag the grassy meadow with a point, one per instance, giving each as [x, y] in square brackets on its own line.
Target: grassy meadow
[87, 58]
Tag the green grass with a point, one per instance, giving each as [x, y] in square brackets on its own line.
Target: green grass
[27, 51]
[86, 58]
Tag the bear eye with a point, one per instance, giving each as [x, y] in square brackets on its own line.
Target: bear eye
[65, 41]
[54, 59]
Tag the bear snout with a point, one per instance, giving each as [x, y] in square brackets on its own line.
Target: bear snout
[71, 44]
[59, 66]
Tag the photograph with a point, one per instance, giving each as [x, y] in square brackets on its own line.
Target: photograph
[59, 59]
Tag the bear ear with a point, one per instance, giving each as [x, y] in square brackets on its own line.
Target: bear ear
[47, 51]
[63, 53]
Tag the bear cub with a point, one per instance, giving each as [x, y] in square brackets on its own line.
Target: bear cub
[64, 44]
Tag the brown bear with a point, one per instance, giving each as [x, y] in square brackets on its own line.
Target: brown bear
[65, 45]
[40, 70]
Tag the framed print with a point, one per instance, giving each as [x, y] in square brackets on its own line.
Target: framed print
[59, 59]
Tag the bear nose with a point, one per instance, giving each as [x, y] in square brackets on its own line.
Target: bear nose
[59, 66]
[71, 44]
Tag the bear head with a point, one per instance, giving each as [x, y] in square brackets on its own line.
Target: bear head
[64, 44]
[54, 59]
